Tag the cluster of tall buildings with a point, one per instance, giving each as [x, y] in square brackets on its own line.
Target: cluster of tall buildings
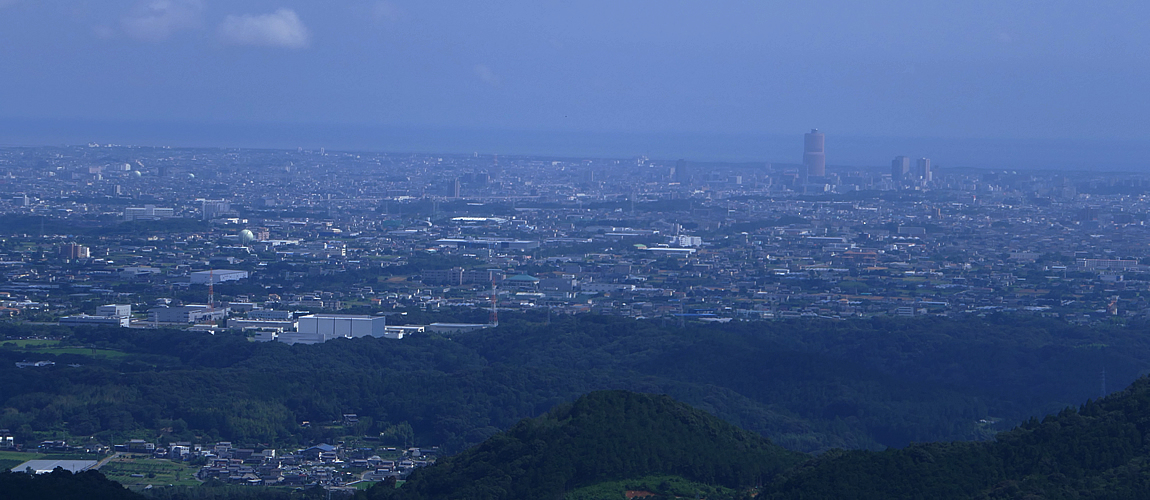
[901, 173]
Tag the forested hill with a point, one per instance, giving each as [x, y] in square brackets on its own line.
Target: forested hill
[1098, 451]
[62, 485]
[588, 448]
[807, 385]
[603, 436]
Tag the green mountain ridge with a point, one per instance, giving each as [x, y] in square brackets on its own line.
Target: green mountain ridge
[1099, 450]
[611, 439]
[602, 436]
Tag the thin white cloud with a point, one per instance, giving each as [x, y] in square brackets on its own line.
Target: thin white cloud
[487, 76]
[281, 28]
[156, 20]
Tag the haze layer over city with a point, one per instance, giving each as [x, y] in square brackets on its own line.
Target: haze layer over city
[399, 250]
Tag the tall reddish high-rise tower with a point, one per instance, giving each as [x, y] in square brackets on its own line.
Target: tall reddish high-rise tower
[814, 154]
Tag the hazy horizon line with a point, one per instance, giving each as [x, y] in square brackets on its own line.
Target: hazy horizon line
[851, 150]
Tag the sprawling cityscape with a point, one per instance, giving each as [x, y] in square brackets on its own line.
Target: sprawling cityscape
[405, 250]
[307, 246]
[281, 234]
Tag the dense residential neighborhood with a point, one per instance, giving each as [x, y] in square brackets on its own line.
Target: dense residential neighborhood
[253, 239]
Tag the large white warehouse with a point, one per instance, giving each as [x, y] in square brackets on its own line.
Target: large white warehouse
[217, 276]
[317, 328]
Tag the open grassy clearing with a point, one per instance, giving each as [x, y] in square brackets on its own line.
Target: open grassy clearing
[25, 343]
[153, 471]
[92, 353]
[19, 455]
[10, 459]
[35, 346]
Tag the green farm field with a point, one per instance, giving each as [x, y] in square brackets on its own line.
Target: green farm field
[10, 459]
[153, 471]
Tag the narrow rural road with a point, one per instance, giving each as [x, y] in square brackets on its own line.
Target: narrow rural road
[105, 461]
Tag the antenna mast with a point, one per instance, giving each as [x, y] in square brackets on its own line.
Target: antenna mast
[494, 303]
[211, 291]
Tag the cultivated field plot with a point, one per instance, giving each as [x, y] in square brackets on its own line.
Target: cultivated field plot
[10, 459]
[153, 471]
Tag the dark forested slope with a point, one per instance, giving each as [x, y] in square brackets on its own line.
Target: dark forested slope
[603, 436]
[807, 385]
[62, 485]
[1099, 450]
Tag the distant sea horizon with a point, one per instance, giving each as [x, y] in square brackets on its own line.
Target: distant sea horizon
[843, 151]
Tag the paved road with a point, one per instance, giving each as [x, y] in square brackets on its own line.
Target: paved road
[105, 461]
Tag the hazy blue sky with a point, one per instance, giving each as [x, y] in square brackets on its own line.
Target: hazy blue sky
[1000, 69]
